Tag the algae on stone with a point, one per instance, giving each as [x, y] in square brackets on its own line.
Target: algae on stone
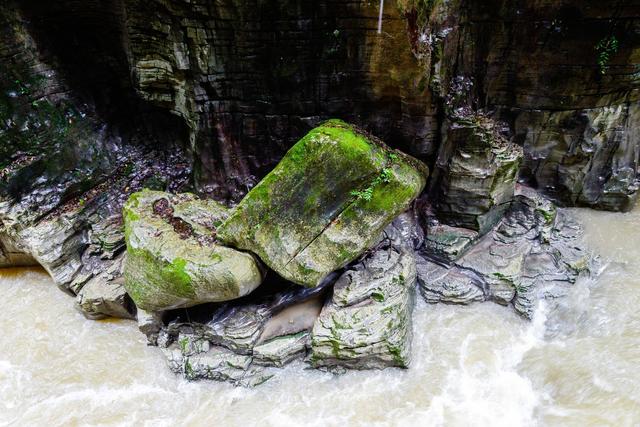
[173, 259]
[325, 203]
[367, 322]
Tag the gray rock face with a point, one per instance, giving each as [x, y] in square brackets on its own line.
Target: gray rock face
[281, 350]
[12, 256]
[475, 174]
[195, 358]
[250, 335]
[104, 294]
[251, 123]
[65, 173]
[446, 242]
[150, 324]
[583, 157]
[367, 322]
[531, 254]
[405, 231]
[444, 284]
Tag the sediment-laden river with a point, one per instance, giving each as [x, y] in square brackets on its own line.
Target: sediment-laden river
[575, 365]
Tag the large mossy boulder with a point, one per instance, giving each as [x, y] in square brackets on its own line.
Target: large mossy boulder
[325, 203]
[173, 257]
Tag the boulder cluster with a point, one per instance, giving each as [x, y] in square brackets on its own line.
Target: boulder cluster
[319, 262]
[321, 259]
[319, 220]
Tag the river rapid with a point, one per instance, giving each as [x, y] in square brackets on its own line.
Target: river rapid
[577, 364]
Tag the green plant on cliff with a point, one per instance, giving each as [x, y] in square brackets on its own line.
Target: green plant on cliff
[367, 193]
[606, 48]
[31, 125]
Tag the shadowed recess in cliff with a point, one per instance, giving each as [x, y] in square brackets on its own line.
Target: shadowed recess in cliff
[88, 44]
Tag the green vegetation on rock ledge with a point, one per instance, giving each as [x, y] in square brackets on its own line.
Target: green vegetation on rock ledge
[325, 203]
[606, 48]
[31, 124]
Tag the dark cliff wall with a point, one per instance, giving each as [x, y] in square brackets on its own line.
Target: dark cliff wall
[252, 77]
[236, 82]
[565, 76]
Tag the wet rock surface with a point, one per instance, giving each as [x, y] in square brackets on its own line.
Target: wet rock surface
[80, 240]
[565, 111]
[532, 253]
[173, 257]
[585, 158]
[104, 294]
[260, 331]
[366, 324]
[475, 175]
[101, 99]
[325, 203]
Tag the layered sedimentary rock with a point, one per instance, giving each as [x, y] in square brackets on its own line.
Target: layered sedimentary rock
[65, 172]
[239, 340]
[101, 99]
[532, 253]
[104, 294]
[366, 324]
[324, 203]
[561, 74]
[475, 174]
[239, 83]
[585, 157]
[173, 258]
[250, 79]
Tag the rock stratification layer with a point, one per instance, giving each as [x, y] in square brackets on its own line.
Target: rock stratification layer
[366, 324]
[324, 203]
[99, 99]
[533, 253]
[475, 174]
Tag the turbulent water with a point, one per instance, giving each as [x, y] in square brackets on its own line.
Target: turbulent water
[577, 364]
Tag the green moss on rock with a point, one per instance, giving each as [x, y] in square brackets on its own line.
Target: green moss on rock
[307, 217]
[169, 268]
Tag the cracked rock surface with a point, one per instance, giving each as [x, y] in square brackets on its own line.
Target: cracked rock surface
[325, 203]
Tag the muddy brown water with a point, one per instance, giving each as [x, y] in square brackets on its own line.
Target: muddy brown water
[575, 365]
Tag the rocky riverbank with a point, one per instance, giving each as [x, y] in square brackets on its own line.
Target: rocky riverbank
[322, 266]
[257, 228]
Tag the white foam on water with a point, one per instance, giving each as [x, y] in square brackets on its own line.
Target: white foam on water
[575, 364]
